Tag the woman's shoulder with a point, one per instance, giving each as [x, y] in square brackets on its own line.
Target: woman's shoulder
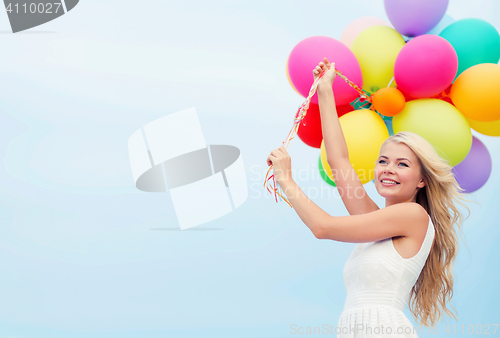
[413, 209]
[421, 219]
[416, 213]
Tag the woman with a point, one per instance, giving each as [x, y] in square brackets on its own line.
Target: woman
[406, 250]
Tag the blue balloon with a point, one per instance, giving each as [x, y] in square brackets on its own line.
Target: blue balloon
[445, 22]
[475, 41]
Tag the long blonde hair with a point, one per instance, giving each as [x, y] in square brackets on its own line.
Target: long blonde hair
[434, 287]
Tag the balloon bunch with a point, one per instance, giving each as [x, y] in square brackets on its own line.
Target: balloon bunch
[430, 75]
[301, 114]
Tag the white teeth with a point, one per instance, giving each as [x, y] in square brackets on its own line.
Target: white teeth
[388, 182]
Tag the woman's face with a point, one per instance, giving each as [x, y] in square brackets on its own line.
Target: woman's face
[399, 163]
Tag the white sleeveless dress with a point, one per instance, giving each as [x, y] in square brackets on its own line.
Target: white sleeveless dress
[378, 283]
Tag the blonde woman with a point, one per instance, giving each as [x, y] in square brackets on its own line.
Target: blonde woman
[407, 249]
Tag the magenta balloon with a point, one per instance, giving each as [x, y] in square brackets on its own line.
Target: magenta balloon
[306, 55]
[425, 66]
[473, 172]
[415, 17]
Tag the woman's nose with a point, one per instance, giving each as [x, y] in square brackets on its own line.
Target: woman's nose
[389, 169]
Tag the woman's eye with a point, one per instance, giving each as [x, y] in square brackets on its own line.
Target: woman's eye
[399, 163]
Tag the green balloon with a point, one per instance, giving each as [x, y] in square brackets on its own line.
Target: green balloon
[324, 175]
[440, 123]
[475, 41]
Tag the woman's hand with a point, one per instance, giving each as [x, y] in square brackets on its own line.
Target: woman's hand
[282, 164]
[330, 74]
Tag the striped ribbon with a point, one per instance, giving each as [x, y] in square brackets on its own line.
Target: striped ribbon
[299, 116]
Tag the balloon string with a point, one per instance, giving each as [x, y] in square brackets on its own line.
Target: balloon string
[301, 113]
[390, 82]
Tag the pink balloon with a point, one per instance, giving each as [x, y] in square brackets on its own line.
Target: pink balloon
[353, 29]
[306, 55]
[425, 66]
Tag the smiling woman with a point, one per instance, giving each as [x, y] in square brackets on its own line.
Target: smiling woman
[398, 169]
[406, 250]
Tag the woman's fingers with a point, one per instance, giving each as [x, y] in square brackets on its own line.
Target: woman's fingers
[269, 161]
[272, 157]
[319, 68]
[277, 153]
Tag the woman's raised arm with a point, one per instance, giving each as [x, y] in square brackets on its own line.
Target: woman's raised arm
[353, 194]
[335, 145]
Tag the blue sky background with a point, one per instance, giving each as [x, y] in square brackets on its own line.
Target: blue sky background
[83, 253]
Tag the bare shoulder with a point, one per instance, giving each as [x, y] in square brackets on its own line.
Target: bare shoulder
[408, 246]
[419, 215]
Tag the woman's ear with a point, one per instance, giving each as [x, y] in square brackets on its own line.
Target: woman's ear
[421, 184]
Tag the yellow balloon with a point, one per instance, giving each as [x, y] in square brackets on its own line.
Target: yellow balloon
[491, 128]
[475, 92]
[364, 132]
[376, 49]
[324, 162]
[438, 122]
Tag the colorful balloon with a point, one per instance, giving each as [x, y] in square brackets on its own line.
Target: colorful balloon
[388, 101]
[438, 122]
[413, 18]
[475, 92]
[445, 22]
[426, 66]
[344, 109]
[473, 172]
[491, 128]
[306, 55]
[364, 132]
[288, 77]
[324, 161]
[475, 41]
[310, 130]
[323, 174]
[357, 26]
[376, 49]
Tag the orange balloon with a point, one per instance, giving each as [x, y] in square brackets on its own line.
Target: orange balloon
[388, 101]
[475, 92]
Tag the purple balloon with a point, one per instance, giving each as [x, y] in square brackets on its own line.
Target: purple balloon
[415, 17]
[473, 172]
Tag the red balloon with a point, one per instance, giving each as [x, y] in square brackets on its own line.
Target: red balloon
[344, 109]
[444, 95]
[447, 99]
[310, 127]
[408, 98]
